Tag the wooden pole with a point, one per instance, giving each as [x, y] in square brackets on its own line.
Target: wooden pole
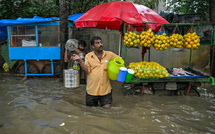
[63, 32]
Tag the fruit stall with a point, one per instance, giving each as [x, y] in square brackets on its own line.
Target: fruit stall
[155, 77]
[143, 19]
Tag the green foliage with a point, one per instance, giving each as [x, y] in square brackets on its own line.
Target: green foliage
[12, 9]
[149, 3]
[200, 7]
[81, 6]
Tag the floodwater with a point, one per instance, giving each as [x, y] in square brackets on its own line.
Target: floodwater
[43, 105]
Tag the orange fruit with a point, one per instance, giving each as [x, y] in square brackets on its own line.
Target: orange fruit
[129, 40]
[131, 43]
[194, 46]
[188, 46]
[196, 37]
[125, 37]
[188, 40]
[145, 44]
[191, 43]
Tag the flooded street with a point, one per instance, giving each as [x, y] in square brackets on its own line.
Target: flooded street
[43, 105]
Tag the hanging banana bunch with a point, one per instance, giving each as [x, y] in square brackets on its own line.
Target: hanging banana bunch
[6, 67]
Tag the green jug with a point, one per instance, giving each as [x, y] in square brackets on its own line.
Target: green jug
[113, 68]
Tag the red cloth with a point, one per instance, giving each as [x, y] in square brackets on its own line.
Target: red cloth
[144, 51]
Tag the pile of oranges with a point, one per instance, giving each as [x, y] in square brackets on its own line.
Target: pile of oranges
[148, 70]
[161, 42]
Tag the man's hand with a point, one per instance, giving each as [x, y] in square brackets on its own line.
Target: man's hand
[72, 46]
[75, 57]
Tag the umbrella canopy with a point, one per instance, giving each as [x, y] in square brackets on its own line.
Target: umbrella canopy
[112, 15]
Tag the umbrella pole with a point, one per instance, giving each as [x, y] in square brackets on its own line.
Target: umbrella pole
[125, 46]
[120, 38]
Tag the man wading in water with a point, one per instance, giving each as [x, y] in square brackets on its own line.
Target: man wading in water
[98, 87]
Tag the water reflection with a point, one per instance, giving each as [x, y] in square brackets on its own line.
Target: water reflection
[43, 105]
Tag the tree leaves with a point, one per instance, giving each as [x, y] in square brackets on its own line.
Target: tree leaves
[81, 6]
[13, 9]
[200, 7]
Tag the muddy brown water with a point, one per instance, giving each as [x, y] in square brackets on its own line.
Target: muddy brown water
[43, 105]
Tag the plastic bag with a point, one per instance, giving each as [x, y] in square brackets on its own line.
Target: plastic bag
[177, 71]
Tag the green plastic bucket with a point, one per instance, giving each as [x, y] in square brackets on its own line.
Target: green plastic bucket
[113, 68]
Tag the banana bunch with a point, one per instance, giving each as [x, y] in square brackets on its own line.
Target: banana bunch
[6, 67]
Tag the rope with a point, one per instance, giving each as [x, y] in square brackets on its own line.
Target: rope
[176, 28]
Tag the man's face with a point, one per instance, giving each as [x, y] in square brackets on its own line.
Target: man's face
[98, 46]
[81, 47]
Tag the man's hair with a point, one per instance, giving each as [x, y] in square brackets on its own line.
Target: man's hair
[82, 43]
[95, 38]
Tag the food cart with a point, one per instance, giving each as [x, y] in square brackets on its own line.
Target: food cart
[34, 43]
[30, 43]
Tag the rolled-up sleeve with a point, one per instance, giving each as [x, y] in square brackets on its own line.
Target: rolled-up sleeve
[87, 63]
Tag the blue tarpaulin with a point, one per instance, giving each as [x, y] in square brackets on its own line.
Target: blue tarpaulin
[36, 19]
[74, 17]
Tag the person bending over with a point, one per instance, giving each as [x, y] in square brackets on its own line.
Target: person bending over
[68, 55]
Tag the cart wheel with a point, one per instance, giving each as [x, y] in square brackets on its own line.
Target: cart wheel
[47, 68]
[136, 90]
[195, 89]
[32, 68]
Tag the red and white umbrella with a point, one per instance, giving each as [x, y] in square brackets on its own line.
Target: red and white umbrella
[113, 14]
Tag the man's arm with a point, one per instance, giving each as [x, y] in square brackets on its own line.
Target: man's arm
[83, 66]
[77, 50]
[66, 55]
